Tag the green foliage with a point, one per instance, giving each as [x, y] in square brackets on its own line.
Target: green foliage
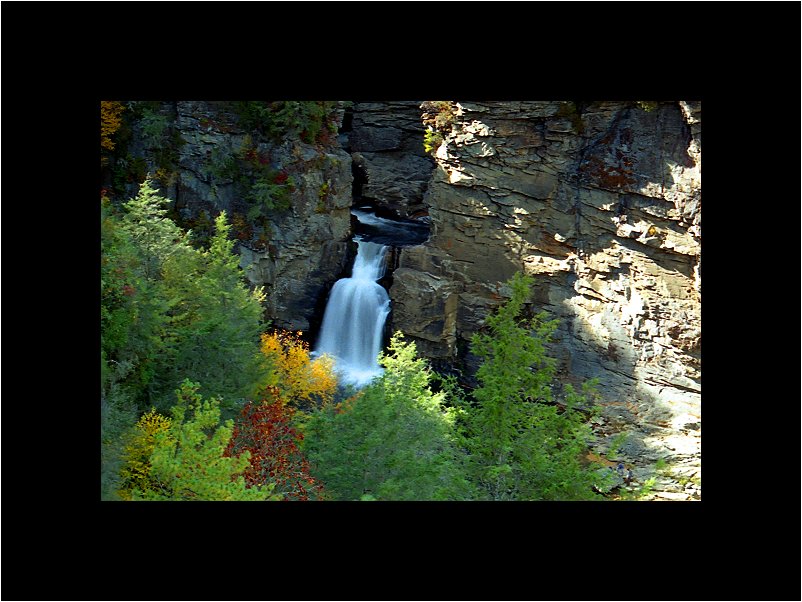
[223, 167]
[647, 105]
[264, 187]
[438, 117]
[323, 194]
[157, 236]
[432, 140]
[127, 170]
[213, 322]
[188, 461]
[312, 121]
[639, 493]
[154, 128]
[522, 445]
[571, 111]
[129, 315]
[117, 415]
[266, 195]
[170, 311]
[393, 441]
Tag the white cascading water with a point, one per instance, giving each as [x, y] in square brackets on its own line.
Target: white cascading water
[353, 322]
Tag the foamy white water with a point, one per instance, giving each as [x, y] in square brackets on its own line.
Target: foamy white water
[353, 322]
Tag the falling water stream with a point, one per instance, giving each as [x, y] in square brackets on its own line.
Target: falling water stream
[353, 323]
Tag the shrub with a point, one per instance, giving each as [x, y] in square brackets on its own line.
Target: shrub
[300, 379]
[154, 128]
[432, 141]
[311, 121]
[265, 430]
[189, 464]
[110, 121]
[438, 117]
[392, 441]
[522, 445]
[139, 446]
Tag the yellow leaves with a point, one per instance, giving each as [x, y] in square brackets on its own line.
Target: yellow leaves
[297, 375]
[152, 423]
[110, 121]
[136, 453]
[321, 375]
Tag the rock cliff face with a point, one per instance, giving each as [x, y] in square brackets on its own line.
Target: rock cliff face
[295, 253]
[600, 202]
[386, 142]
[602, 205]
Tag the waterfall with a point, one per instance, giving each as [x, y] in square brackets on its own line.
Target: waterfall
[353, 322]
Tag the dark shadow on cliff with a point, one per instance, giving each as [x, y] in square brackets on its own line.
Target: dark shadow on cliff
[619, 160]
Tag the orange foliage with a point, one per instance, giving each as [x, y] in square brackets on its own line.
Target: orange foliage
[110, 121]
[265, 430]
[296, 374]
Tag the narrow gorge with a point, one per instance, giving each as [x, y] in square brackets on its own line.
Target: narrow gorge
[411, 216]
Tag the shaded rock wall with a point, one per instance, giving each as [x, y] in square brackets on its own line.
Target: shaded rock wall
[298, 253]
[602, 204]
[386, 143]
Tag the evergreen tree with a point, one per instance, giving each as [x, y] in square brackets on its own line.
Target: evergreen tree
[392, 441]
[212, 321]
[522, 445]
[117, 416]
[129, 317]
[155, 234]
[188, 462]
[170, 311]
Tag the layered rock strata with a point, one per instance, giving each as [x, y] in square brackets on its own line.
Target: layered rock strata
[386, 143]
[300, 251]
[601, 203]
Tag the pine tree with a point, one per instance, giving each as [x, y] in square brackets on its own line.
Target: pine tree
[213, 321]
[392, 441]
[157, 236]
[188, 462]
[128, 315]
[522, 445]
[190, 314]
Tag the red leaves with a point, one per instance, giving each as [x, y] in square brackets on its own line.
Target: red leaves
[264, 429]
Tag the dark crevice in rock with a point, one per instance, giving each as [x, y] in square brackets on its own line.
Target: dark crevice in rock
[348, 120]
[360, 179]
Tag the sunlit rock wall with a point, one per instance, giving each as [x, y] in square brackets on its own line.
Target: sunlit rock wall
[602, 205]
